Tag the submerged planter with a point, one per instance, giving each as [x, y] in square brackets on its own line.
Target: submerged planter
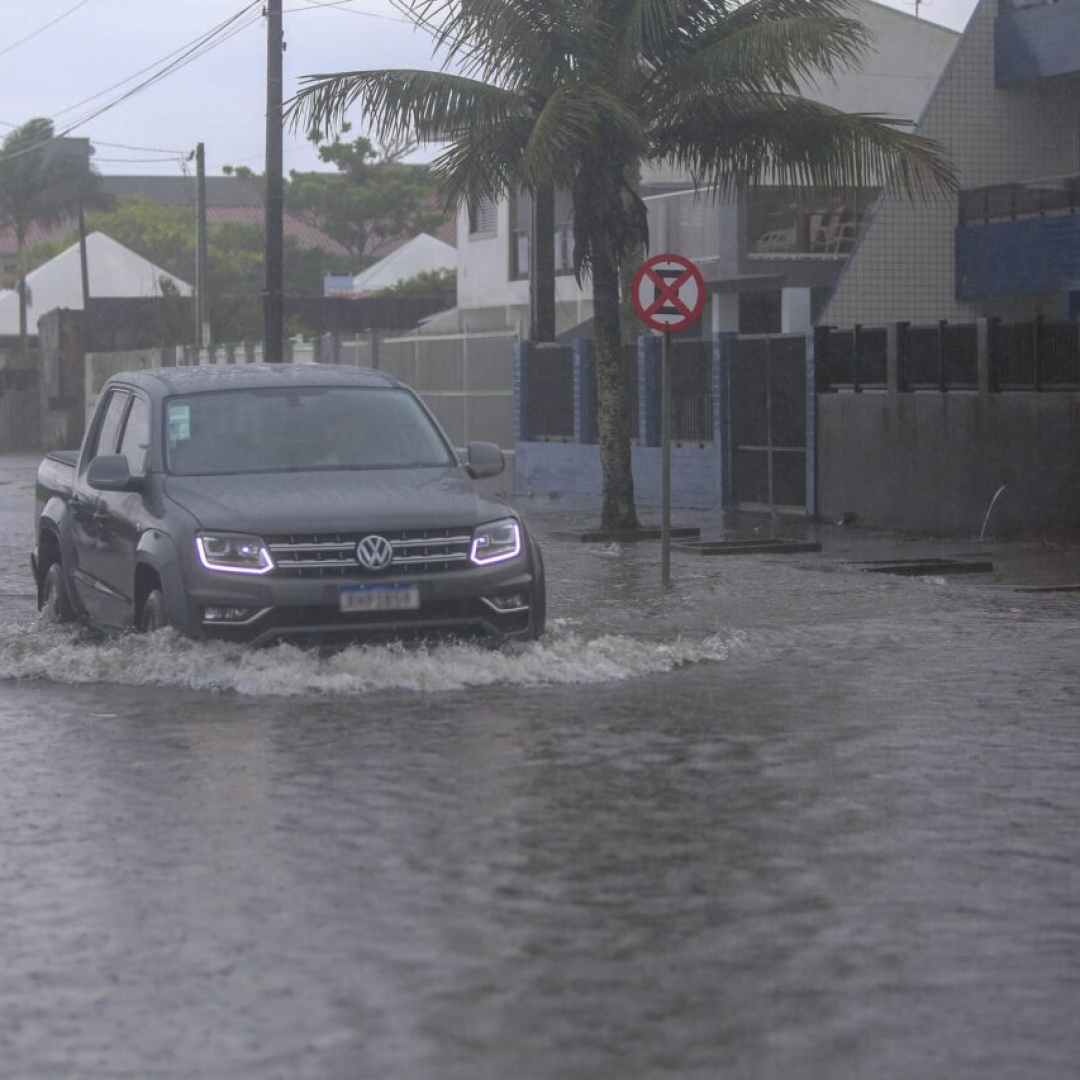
[922, 567]
[623, 536]
[748, 547]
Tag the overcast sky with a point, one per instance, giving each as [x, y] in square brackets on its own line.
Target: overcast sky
[147, 80]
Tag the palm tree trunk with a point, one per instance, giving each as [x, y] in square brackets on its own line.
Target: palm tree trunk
[617, 509]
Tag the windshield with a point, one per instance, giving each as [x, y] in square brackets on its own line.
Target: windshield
[295, 430]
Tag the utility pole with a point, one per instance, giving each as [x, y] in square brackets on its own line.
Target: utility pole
[202, 324]
[84, 265]
[273, 292]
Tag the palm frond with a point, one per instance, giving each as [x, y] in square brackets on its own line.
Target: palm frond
[786, 56]
[481, 163]
[506, 41]
[575, 119]
[405, 105]
[733, 144]
[640, 25]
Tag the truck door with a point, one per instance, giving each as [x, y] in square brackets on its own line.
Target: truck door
[104, 599]
[121, 518]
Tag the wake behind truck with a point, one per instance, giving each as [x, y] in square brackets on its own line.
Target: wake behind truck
[275, 502]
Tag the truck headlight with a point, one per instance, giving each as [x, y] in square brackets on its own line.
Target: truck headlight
[496, 542]
[233, 553]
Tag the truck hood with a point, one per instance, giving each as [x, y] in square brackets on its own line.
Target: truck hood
[334, 501]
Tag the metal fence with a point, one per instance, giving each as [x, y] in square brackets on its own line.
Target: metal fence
[939, 357]
[854, 358]
[691, 393]
[1036, 355]
[467, 380]
[549, 403]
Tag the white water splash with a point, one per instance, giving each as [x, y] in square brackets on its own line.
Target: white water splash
[38, 651]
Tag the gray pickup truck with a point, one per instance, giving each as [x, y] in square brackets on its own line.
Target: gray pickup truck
[277, 502]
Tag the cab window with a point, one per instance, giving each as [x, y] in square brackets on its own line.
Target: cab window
[136, 437]
[109, 433]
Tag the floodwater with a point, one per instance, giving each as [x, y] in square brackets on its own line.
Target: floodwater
[786, 820]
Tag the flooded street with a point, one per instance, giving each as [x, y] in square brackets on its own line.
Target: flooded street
[789, 819]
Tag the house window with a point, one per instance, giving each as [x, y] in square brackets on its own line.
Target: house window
[521, 234]
[804, 221]
[482, 216]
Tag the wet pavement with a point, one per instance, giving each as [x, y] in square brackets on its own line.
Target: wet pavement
[787, 818]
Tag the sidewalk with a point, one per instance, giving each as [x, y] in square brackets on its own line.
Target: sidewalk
[1017, 564]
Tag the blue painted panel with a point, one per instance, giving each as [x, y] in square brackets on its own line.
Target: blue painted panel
[1036, 42]
[1025, 258]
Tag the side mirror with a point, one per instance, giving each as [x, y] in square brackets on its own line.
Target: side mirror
[484, 459]
[110, 472]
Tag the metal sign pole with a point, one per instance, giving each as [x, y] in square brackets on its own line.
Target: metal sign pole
[665, 462]
[668, 293]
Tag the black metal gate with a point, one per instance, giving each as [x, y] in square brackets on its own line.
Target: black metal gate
[769, 392]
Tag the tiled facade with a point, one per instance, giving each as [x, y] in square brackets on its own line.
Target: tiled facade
[904, 267]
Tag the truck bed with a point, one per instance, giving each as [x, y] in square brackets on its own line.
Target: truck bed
[56, 474]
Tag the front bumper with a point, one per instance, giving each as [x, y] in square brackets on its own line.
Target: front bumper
[463, 603]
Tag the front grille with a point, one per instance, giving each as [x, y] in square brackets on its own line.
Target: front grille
[330, 555]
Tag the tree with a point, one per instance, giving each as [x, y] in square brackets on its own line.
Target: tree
[423, 284]
[166, 236]
[40, 182]
[578, 93]
[373, 197]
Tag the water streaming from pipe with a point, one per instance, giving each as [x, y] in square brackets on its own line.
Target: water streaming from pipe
[989, 510]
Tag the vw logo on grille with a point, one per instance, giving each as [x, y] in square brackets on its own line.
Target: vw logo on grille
[375, 552]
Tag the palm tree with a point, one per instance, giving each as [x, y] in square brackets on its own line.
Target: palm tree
[578, 93]
[39, 182]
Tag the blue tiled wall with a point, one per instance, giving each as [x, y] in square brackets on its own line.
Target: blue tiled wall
[1030, 257]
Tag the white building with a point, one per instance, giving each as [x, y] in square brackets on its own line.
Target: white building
[112, 271]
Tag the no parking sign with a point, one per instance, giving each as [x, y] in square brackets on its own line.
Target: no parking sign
[668, 293]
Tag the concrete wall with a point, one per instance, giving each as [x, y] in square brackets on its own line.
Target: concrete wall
[19, 408]
[933, 462]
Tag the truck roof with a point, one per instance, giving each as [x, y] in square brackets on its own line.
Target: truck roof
[194, 380]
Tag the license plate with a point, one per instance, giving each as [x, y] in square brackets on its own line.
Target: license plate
[399, 597]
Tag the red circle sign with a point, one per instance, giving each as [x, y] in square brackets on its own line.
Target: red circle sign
[668, 293]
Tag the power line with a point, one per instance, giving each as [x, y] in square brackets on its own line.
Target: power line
[146, 149]
[186, 53]
[42, 29]
[138, 161]
[341, 5]
[177, 60]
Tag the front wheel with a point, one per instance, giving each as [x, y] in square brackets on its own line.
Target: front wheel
[152, 616]
[56, 602]
[538, 597]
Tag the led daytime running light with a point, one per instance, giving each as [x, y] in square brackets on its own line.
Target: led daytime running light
[234, 554]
